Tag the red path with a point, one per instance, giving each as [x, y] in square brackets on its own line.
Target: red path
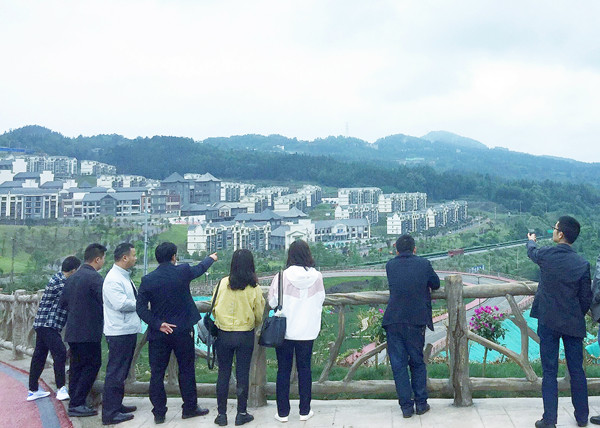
[15, 411]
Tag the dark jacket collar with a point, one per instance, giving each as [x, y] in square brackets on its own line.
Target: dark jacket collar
[405, 254]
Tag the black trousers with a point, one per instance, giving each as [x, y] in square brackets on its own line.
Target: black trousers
[47, 339]
[159, 352]
[228, 344]
[285, 357]
[120, 356]
[86, 359]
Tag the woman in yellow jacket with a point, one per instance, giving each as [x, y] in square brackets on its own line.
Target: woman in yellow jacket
[238, 310]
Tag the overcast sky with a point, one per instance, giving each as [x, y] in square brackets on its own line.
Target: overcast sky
[518, 74]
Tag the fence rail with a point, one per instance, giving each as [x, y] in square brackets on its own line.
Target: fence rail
[17, 312]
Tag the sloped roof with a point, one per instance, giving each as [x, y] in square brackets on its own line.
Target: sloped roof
[175, 178]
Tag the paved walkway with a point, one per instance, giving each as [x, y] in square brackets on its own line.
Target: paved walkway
[15, 412]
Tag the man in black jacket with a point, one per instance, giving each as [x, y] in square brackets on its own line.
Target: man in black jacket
[411, 279]
[562, 299]
[171, 318]
[82, 298]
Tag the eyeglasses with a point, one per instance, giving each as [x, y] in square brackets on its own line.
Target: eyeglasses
[556, 228]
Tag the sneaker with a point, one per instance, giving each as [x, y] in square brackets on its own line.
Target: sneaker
[34, 395]
[62, 394]
[281, 418]
[307, 417]
[243, 418]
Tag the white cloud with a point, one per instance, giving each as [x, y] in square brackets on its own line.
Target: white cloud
[520, 75]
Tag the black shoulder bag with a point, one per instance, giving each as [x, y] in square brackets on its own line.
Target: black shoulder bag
[207, 332]
[272, 333]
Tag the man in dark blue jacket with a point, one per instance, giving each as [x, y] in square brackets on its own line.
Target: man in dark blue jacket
[171, 318]
[411, 279]
[82, 298]
[562, 299]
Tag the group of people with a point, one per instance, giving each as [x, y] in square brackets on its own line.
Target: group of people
[89, 306]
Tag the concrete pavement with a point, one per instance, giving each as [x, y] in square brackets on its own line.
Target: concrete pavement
[487, 413]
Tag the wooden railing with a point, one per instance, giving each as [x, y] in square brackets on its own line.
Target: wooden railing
[17, 312]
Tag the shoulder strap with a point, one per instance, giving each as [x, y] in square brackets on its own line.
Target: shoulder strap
[280, 292]
[212, 303]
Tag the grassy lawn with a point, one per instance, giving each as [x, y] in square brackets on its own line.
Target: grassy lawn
[330, 282]
[177, 234]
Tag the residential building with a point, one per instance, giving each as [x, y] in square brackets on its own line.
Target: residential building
[402, 202]
[29, 203]
[358, 195]
[91, 167]
[255, 203]
[342, 231]
[314, 195]
[407, 222]
[284, 235]
[289, 201]
[272, 192]
[233, 192]
[122, 180]
[205, 188]
[211, 237]
[368, 211]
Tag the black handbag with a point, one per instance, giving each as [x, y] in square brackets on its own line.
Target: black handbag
[208, 331]
[272, 333]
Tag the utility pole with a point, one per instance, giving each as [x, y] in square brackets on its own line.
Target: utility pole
[145, 241]
[12, 261]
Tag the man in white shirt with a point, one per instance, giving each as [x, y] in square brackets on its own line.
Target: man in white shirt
[121, 326]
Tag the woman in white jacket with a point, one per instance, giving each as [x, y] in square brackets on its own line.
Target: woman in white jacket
[303, 296]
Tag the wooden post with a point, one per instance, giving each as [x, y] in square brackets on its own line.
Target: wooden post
[257, 395]
[17, 325]
[458, 342]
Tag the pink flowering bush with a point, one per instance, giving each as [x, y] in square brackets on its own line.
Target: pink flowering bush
[374, 331]
[487, 323]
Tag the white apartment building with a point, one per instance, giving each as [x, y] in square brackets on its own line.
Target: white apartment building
[233, 192]
[401, 202]
[122, 180]
[342, 231]
[91, 167]
[255, 203]
[284, 235]
[314, 195]
[29, 203]
[358, 195]
[211, 237]
[367, 211]
[289, 201]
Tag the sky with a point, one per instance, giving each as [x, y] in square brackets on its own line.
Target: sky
[524, 75]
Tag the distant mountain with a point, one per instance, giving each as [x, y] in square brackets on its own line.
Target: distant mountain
[440, 150]
[455, 139]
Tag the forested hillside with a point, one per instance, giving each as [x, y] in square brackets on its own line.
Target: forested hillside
[157, 157]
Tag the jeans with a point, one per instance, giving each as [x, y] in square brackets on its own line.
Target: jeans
[240, 343]
[120, 356]
[285, 357]
[86, 359]
[405, 344]
[47, 339]
[159, 353]
[549, 346]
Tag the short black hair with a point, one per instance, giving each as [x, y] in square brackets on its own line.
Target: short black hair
[405, 243]
[165, 252]
[92, 251]
[242, 271]
[569, 227]
[70, 263]
[122, 250]
[299, 255]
